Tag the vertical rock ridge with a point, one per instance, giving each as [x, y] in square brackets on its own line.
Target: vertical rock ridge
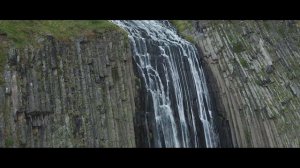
[256, 68]
[69, 94]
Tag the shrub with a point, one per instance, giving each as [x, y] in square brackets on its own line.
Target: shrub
[244, 63]
[238, 47]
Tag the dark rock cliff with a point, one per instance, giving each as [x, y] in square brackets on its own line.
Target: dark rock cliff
[84, 93]
[253, 68]
[69, 94]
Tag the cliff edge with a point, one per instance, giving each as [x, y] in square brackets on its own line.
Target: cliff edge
[66, 84]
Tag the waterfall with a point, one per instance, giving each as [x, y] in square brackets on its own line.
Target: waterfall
[176, 92]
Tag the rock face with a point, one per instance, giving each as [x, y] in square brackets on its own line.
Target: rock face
[84, 92]
[69, 94]
[253, 67]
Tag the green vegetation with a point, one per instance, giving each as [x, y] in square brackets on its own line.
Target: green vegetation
[1, 68]
[137, 82]
[25, 31]
[281, 30]
[9, 142]
[189, 38]
[181, 26]
[230, 38]
[19, 33]
[238, 47]
[258, 82]
[290, 75]
[2, 63]
[243, 62]
[266, 24]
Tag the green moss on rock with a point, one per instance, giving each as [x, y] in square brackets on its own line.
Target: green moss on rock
[2, 63]
[238, 47]
[24, 32]
[182, 26]
[9, 142]
[243, 62]
[19, 33]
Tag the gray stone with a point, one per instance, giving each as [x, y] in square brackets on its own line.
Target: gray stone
[269, 69]
[295, 90]
[60, 94]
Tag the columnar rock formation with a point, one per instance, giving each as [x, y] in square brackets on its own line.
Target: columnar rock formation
[255, 67]
[69, 94]
[86, 92]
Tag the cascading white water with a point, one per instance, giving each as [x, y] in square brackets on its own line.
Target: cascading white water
[175, 85]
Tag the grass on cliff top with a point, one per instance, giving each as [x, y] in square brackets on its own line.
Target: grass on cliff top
[19, 33]
[23, 32]
[182, 26]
